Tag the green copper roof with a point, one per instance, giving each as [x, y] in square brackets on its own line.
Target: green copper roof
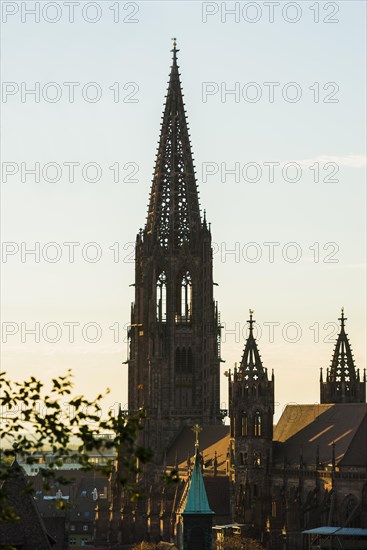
[197, 501]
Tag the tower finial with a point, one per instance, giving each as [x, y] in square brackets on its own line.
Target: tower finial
[174, 49]
[251, 321]
[342, 319]
[197, 429]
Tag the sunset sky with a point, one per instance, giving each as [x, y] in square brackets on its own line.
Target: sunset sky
[317, 227]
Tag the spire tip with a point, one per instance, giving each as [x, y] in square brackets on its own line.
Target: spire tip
[251, 321]
[174, 49]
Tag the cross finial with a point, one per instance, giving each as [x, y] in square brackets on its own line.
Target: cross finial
[196, 429]
[251, 321]
[342, 319]
[174, 50]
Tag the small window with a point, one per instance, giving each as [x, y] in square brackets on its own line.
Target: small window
[85, 527]
[274, 509]
[161, 291]
[244, 425]
[257, 458]
[257, 425]
[72, 527]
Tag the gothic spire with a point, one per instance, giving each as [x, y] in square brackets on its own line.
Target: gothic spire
[342, 365]
[343, 384]
[251, 367]
[174, 211]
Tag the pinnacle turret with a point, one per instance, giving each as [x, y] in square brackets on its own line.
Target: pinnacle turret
[251, 367]
[343, 383]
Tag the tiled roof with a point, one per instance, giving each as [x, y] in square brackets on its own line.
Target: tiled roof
[310, 429]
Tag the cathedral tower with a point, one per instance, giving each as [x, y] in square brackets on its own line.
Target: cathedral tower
[175, 333]
[343, 383]
[251, 399]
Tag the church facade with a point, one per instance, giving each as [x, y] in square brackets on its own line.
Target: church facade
[273, 482]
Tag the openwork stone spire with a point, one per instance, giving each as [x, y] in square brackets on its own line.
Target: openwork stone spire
[174, 212]
[251, 367]
[343, 384]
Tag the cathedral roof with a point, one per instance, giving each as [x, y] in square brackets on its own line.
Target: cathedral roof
[197, 500]
[311, 430]
[174, 211]
[213, 439]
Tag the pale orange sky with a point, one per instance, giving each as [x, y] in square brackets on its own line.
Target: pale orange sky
[325, 219]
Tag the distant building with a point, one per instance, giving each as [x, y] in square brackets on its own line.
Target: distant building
[86, 506]
[29, 531]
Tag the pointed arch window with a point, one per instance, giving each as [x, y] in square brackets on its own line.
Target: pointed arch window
[351, 516]
[184, 298]
[179, 359]
[257, 458]
[190, 361]
[161, 293]
[184, 363]
[257, 425]
[244, 425]
[233, 426]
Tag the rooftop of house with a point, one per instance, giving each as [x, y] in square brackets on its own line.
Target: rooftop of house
[28, 532]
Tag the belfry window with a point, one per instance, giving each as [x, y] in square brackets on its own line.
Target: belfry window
[161, 290]
[184, 299]
[184, 361]
[257, 425]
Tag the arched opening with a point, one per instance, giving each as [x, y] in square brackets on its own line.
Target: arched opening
[257, 458]
[161, 293]
[244, 425]
[184, 366]
[190, 361]
[180, 360]
[184, 363]
[351, 512]
[184, 298]
[197, 541]
[257, 425]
